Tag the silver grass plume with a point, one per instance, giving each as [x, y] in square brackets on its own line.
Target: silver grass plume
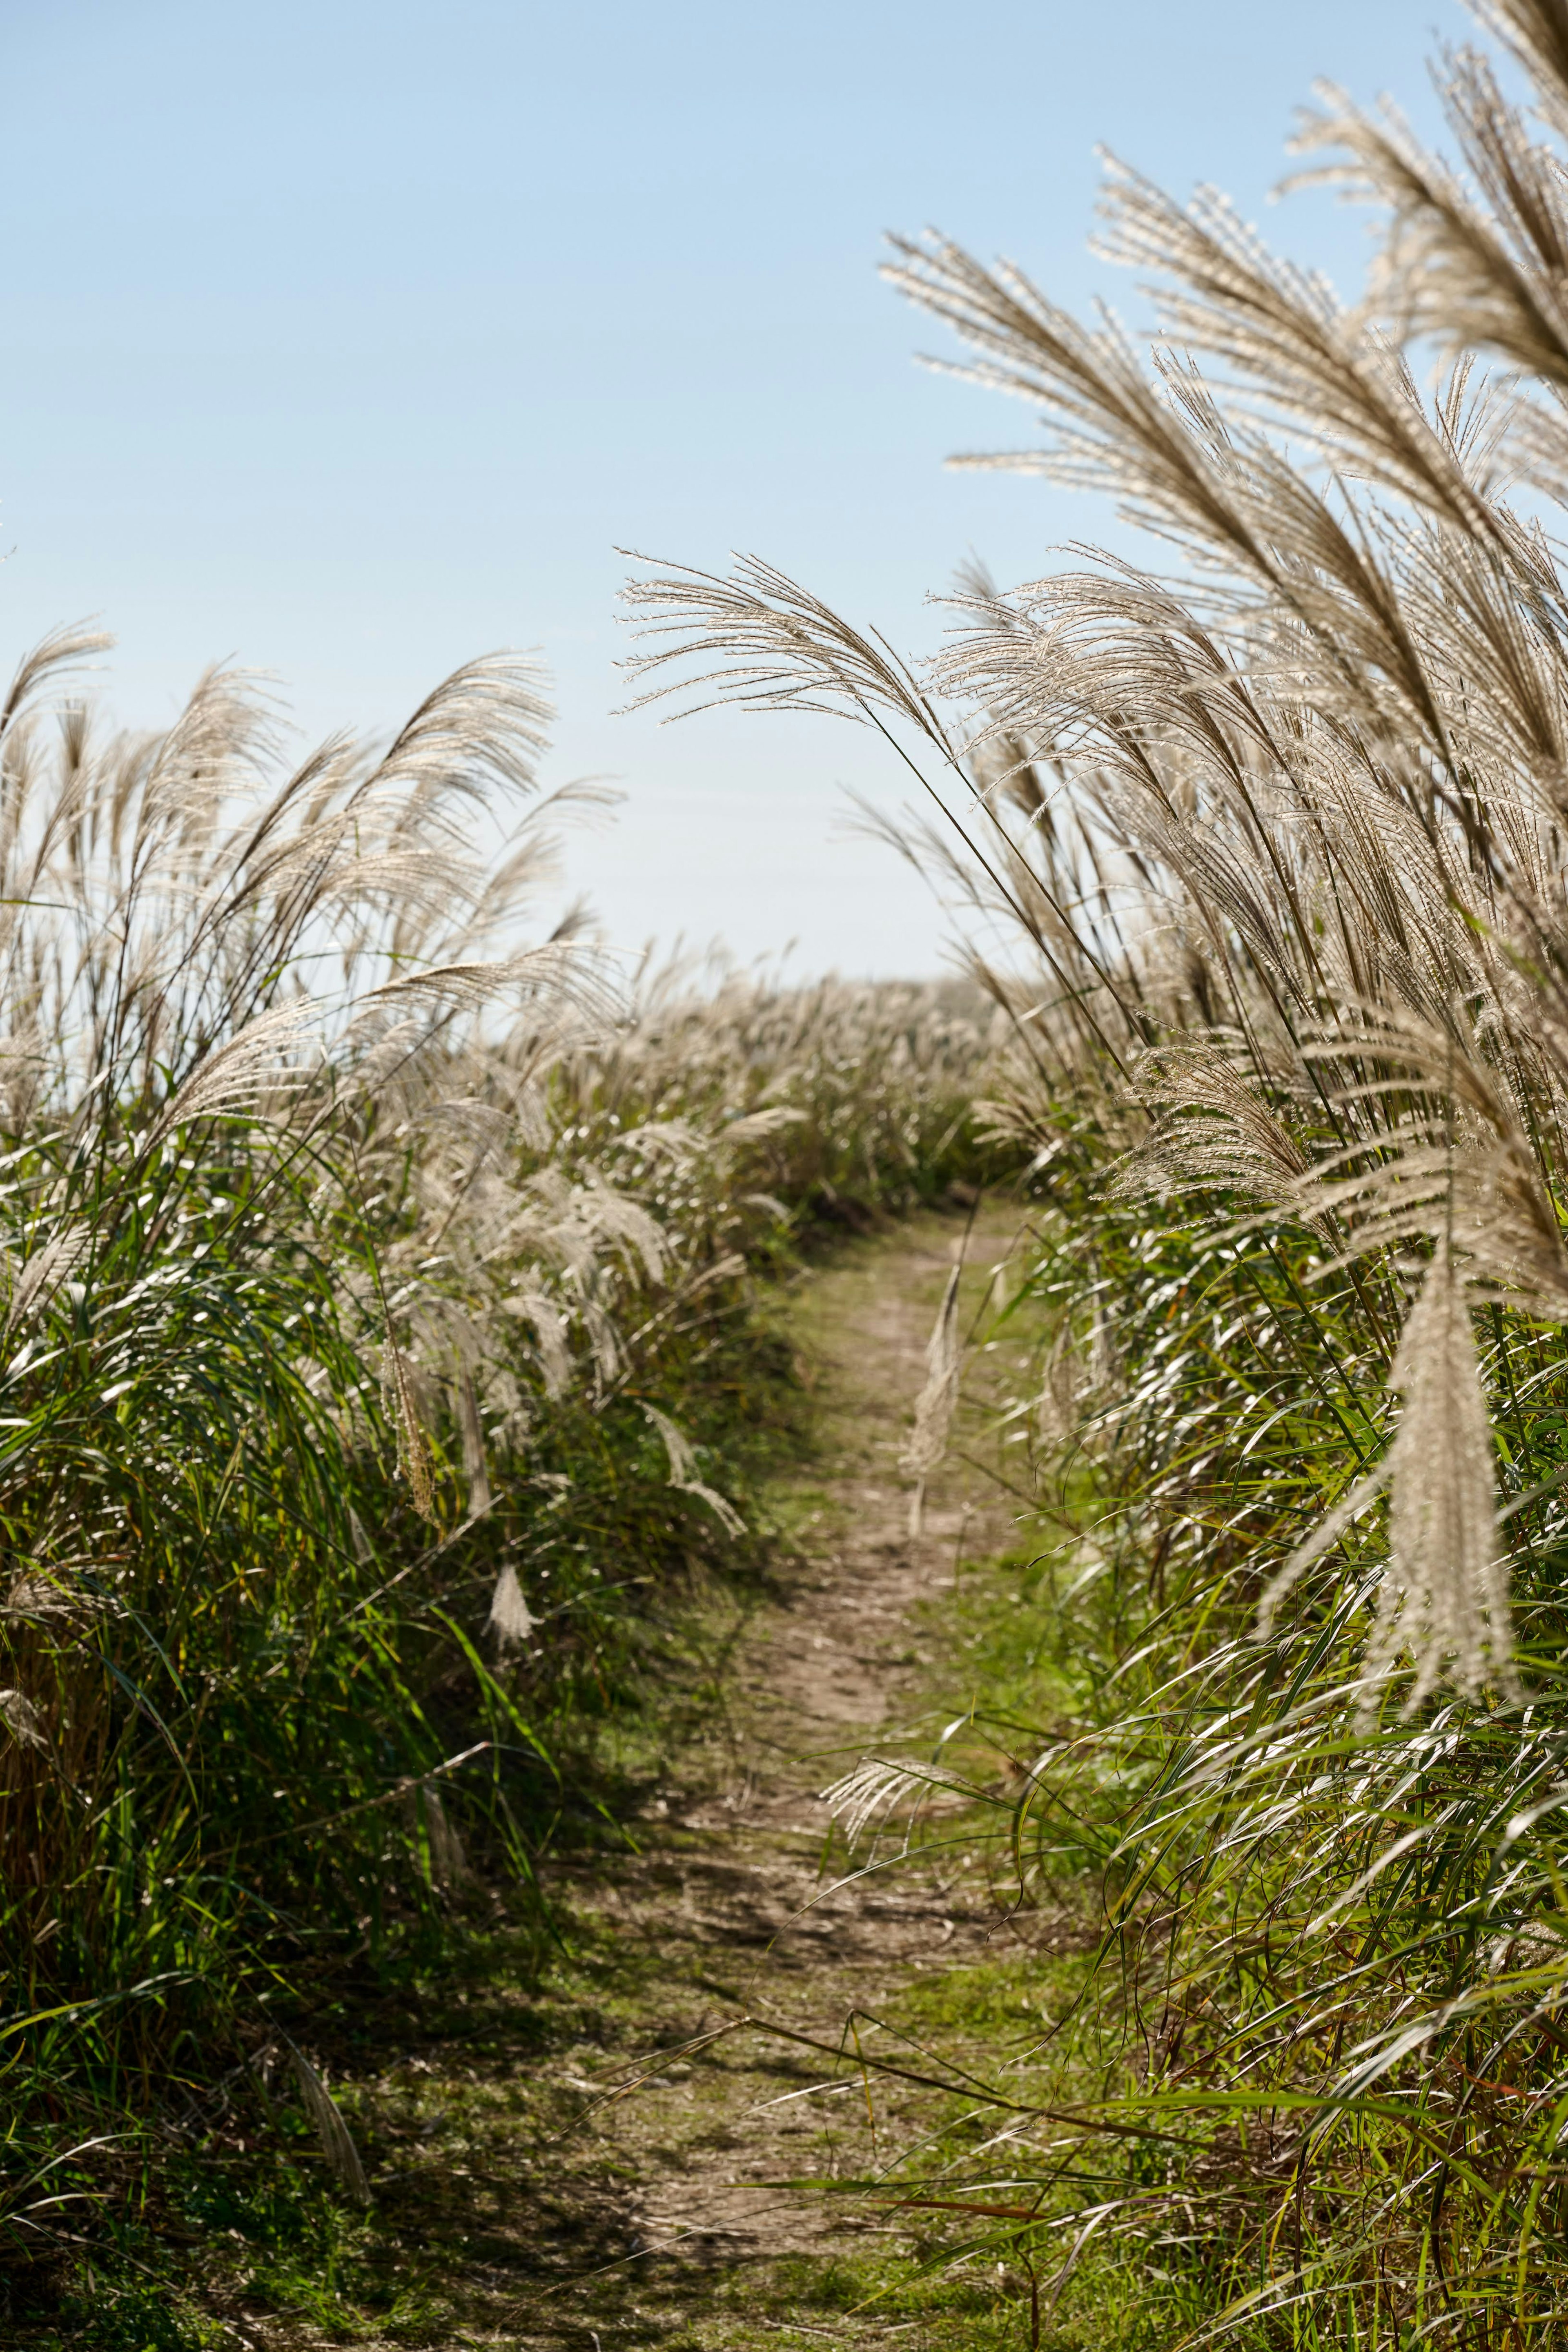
[1210, 1127]
[35, 1599]
[21, 1719]
[683, 1463]
[413, 1446]
[1059, 1407]
[774, 644]
[1443, 1594]
[473, 1465]
[1102, 1366]
[559, 971]
[448, 1862]
[261, 1057]
[337, 2142]
[42, 1272]
[877, 1784]
[533, 1305]
[510, 1620]
[753, 1126]
[934, 1405]
[1461, 1171]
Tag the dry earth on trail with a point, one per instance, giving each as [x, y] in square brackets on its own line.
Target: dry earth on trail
[735, 1894]
[735, 1907]
[583, 2168]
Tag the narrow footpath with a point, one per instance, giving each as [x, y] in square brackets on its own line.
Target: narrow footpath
[732, 1900]
[592, 2169]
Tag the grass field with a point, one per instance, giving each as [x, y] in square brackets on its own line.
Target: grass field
[406, 1418]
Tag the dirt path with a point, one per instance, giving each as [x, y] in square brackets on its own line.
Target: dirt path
[730, 1906]
[612, 2184]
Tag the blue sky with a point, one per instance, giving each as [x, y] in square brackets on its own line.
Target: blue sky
[351, 339]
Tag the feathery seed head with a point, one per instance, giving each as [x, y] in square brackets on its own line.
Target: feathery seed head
[510, 1618]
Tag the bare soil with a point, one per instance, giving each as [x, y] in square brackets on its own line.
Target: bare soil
[741, 1897]
[648, 2154]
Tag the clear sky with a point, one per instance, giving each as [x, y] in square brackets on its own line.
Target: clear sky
[349, 337]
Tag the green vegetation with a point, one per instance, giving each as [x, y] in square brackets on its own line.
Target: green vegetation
[362, 1332]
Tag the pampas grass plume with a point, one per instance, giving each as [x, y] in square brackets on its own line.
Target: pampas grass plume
[337, 2141]
[1444, 1595]
[934, 1405]
[511, 1620]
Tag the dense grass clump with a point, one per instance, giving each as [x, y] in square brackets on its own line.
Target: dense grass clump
[382, 1356]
